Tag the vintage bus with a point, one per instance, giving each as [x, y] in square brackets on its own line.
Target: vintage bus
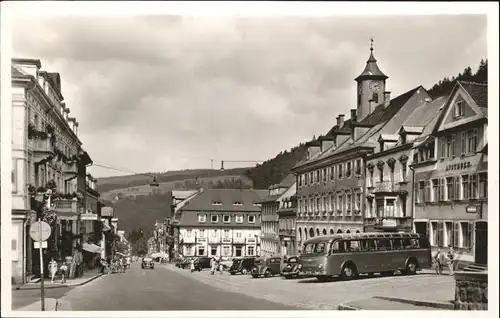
[348, 255]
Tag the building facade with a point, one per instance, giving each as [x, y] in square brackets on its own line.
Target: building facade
[287, 215]
[331, 182]
[46, 154]
[270, 239]
[220, 222]
[451, 176]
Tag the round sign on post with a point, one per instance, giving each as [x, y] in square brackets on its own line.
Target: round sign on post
[40, 231]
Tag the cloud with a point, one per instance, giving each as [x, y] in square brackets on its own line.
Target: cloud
[152, 92]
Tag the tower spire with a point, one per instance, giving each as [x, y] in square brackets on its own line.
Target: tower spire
[371, 44]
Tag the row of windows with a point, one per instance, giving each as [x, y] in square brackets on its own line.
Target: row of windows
[343, 170]
[468, 143]
[214, 218]
[465, 187]
[342, 202]
[367, 245]
[224, 233]
[403, 173]
[456, 234]
[226, 251]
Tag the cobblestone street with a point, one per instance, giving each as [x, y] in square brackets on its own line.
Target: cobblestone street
[309, 293]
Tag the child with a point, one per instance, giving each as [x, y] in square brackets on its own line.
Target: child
[64, 270]
[52, 269]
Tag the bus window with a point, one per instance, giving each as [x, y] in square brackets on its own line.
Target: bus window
[337, 247]
[352, 246]
[406, 244]
[320, 248]
[424, 243]
[368, 245]
[308, 249]
[414, 244]
[397, 244]
[384, 245]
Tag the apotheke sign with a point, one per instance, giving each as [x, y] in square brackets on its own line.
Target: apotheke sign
[458, 166]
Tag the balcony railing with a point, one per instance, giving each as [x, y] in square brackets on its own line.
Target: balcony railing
[68, 206]
[384, 186]
[226, 240]
[239, 240]
[43, 146]
[288, 232]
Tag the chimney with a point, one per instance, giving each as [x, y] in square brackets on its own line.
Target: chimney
[353, 115]
[340, 120]
[387, 99]
[66, 113]
[76, 128]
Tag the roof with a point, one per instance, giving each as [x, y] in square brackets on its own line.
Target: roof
[428, 115]
[16, 71]
[183, 194]
[412, 129]
[371, 69]
[388, 137]
[288, 181]
[227, 199]
[478, 92]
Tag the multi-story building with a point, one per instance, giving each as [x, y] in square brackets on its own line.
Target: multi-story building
[270, 240]
[389, 180]
[331, 183]
[451, 176]
[220, 222]
[46, 153]
[287, 214]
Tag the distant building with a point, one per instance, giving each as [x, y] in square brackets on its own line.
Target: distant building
[220, 222]
[270, 240]
[287, 216]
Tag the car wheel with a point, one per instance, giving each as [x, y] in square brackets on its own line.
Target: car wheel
[348, 272]
[411, 268]
[244, 271]
[267, 273]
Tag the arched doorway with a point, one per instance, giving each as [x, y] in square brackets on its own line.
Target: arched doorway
[339, 231]
[481, 248]
[317, 232]
[311, 232]
[332, 232]
[324, 231]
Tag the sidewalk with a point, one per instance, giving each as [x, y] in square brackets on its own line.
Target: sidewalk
[50, 305]
[391, 303]
[87, 277]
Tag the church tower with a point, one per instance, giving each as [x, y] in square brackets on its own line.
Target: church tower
[371, 87]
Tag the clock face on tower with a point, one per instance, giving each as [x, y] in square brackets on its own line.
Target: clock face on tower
[375, 86]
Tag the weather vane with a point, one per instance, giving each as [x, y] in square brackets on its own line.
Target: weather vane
[371, 43]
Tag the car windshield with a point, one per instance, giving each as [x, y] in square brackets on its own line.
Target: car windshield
[293, 260]
[259, 261]
[147, 259]
[237, 261]
[315, 248]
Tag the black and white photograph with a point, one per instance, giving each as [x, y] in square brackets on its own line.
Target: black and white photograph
[206, 158]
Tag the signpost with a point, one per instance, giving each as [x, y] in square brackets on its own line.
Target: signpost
[40, 232]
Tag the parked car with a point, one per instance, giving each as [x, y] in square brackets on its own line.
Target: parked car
[147, 262]
[201, 263]
[292, 267]
[227, 263]
[266, 266]
[242, 265]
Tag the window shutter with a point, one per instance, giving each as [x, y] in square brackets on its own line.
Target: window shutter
[456, 233]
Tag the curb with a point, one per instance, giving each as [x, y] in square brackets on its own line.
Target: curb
[439, 305]
[344, 306]
[37, 286]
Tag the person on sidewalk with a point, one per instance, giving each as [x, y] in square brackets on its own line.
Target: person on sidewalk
[191, 265]
[451, 257]
[212, 266]
[52, 269]
[439, 262]
[64, 272]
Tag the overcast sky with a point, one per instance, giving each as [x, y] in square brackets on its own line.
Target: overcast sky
[170, 92]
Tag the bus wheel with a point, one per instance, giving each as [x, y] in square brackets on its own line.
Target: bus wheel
[411, 268]
[348, 271]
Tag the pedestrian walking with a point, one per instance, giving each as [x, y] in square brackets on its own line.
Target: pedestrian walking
[220, 266]
[52, 269]
[191, 265]
[213, 264]
[439, 262]
[64, 271]
[451, 257]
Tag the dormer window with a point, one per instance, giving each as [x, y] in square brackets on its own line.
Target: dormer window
[237, 203]
[459, 109]
[202, 218]
[216, 203]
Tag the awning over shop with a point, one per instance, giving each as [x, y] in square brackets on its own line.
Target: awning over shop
[92, 248]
